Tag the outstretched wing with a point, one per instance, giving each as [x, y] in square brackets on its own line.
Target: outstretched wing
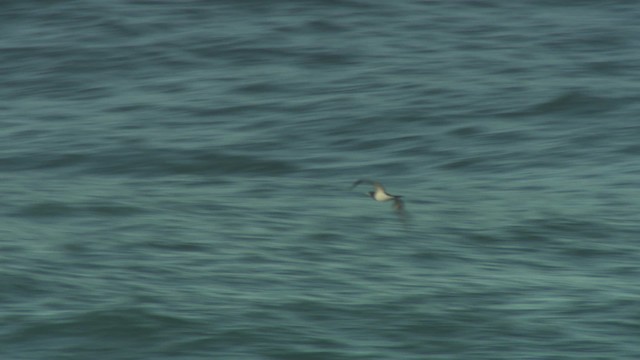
[361, 181]
[375, 184]
[398, 204]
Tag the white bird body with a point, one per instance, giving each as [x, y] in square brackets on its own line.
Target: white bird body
[380, 194]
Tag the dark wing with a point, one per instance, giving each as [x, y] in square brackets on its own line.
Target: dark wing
[398, 204]
[361, 181]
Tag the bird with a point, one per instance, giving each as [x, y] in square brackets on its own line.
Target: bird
[380, 194]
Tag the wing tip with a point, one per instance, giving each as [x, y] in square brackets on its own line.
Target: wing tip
[360, 181]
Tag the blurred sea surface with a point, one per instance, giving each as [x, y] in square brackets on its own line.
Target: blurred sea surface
[175, 179]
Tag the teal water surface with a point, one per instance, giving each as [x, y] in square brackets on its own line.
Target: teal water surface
[176, 180]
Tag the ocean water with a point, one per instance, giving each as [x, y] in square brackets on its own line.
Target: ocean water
[175, 179]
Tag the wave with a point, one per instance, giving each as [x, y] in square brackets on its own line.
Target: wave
[571, 102]
[121, 325]
[61, 209]
[150, 162]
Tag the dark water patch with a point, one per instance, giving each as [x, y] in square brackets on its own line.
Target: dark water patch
[217, 163]
[119, 326]
[527, 233]
[19, 285]
[47, 209]
[464, 163]
[420, 147]
[30, 161]
[69, 74]
[630, 149]
[571, 227]
[571, 103]
[130, 107]
[151, 162]
[248, 54]
[566, 235]
[611, 68]
[226, 110]
[487, 137]
[180, 245]
[326, 236]
[368, 145]
[112, 209]
[261, 87]
[589, 251]
[483, 238]
[466, 131]
[329, 58]
[325, 26]
[599, 140]
[61, 209]
[507, 137]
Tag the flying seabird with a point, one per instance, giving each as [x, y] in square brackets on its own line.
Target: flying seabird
[380, 194]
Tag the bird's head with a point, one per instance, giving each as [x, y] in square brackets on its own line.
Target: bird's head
[372, 194]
